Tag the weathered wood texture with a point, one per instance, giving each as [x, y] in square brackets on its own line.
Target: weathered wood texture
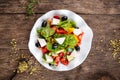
[103, 16]
[78, 6]
[105, 27]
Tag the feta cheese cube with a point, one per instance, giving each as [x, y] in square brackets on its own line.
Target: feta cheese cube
[49, 59]
[70, 57]
[55, 21]
[42, 42]
[60, 40]
[77, 31]
[74, 53]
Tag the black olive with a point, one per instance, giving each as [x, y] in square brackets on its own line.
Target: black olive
[77, 48]
[55, 45]
[37, 44]
[77, 27]
[51, 64]
[44, 24]
[64, 18]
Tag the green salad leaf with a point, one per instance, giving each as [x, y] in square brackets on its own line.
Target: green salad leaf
[73, 23]
[49, 46]
[67, 24]
[70, 41]
[59, 35]
[45, 32]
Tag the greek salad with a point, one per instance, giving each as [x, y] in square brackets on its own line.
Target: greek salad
[59, 40]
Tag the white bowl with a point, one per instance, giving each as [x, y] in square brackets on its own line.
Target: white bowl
[85, 45]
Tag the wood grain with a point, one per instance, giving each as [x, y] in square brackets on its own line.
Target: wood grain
[103, 16]
[78, 6]
[86, 71]
[105, 28]
[7, 66]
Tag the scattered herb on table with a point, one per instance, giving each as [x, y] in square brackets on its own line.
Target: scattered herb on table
[33, 70]
[14, 46]
[14, 50]
[22, 67]
[27, 66]
[30, 7]
[24, 64]
[116, 48]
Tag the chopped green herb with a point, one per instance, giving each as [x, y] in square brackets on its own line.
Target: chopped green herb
[22, 67]
[30, 7]
[116, 48]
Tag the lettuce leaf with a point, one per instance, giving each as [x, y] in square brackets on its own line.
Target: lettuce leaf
[67, 24]
[70, 41]
[49, 46]
[45, 32]
[59, 35]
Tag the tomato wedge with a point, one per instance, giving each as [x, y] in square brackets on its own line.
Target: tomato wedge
[80, 38]
[61, 31]
[57, 60]
[44, 50]
[61, 54]
[64, 61]
[57, 17]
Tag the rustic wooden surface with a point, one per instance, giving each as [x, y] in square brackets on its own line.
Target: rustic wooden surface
[103, 16]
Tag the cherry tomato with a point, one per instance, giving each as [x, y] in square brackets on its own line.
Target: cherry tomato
[56, 63]
[61, 31]
[53, 57]
[57, 17]
[64, 61]
[57, 60]
[44, 50]
[61, 54]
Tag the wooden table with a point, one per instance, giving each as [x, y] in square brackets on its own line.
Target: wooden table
[103, 16]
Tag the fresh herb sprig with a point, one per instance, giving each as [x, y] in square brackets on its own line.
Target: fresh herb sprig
[30, 7]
